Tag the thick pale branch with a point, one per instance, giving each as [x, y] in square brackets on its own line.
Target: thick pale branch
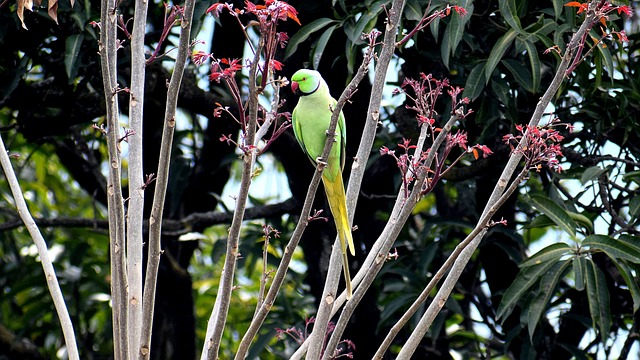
[135, 205]
[218, 318]
[43, 252]
[119, 288]
[155, 219]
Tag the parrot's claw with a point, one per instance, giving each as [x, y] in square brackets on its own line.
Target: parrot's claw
[321, 161]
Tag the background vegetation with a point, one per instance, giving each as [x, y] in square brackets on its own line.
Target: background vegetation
[577, 298]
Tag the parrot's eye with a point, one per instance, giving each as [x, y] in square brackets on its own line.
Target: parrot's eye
[304, 79]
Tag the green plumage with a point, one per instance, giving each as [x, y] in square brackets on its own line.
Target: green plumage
[311, 119]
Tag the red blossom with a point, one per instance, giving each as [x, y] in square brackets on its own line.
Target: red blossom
[581, 6]
[217, 8]
[625, 10]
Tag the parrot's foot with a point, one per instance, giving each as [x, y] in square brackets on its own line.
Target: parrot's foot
[320, 161]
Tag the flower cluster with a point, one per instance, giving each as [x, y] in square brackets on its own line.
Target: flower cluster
[268, 16]
[412, 162]
[602, 11]
[541, 145]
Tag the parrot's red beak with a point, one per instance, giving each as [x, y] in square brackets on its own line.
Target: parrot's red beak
[294, 87]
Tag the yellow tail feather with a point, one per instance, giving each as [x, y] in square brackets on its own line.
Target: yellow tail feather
[338, 205]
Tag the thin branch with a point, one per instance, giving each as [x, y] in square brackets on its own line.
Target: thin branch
[401, 211]
[414, 340]
[278, 279]
[43, 252]
[173, 227]
[477, 232]
[327, 305]
[217, 321]
[108, 59]
[155, 219]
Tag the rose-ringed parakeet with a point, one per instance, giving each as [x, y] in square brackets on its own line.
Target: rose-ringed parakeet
[311, 119]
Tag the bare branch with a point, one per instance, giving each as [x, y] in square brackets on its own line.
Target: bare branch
[43, 252]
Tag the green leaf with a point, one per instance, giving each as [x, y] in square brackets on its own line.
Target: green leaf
[413, 10]
[316, 54]
[454, 31]
[630, 280]
[608, 60]
[557, 8]
[614, 248]
[548, 285]
[536, 67]
[304, 33]
[555, 213]
[598, 296]
[368, 16]
[634, 206]
[498, 51]
[540, 221]
[582, 220]
[72, 49]
[591, 173]
[509, 12]
[520, 73]
[475, 84]
[579, 271]
[526, 278]
[549, 253]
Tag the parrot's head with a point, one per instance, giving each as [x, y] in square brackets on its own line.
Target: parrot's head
[305, 82]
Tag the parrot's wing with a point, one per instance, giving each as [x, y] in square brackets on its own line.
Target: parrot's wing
[295, 122]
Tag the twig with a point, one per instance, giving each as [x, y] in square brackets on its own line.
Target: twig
[162, 179]
[43, 252]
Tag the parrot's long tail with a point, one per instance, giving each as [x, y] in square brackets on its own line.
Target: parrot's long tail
[338, 204]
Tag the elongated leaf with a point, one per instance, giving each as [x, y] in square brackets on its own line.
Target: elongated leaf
[608, 60]
[579, 271]
[631, 241]
[520, 73]
[557, 8]
[552, 252]
[582, 220]
[598, 296]
[548, 286]
[526, 278]
[555, 213]
[455, 30]
[321, 45]
[367, 17]
[591, 173]
[536, 67]
[614, 248]
[498, 51]
[540, 221]
[634, 207]
[72, 49]
[475, 84]
[413, 10]
[509, 12]
[304, 33]
[630, 280]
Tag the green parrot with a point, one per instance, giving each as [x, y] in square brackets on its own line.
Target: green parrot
[311, 119]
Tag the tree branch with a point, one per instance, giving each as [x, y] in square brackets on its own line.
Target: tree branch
[43, 252]
[155, 219]
[108, 59]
